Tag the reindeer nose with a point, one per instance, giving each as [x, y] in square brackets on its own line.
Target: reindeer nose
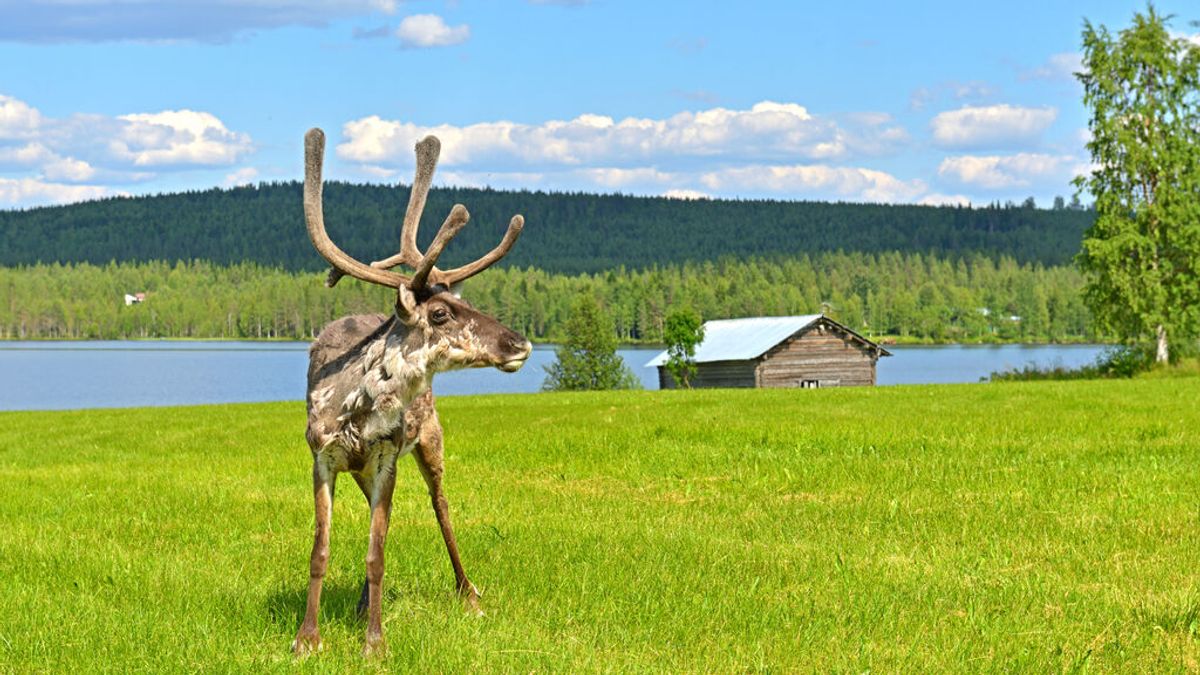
[519, 344]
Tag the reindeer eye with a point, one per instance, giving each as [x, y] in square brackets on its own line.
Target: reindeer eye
[440, 316]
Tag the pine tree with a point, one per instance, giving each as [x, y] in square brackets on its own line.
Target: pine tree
[588, 358]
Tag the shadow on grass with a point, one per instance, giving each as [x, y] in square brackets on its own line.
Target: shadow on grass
[339, 604]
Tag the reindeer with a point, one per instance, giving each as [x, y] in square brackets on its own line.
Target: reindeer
[369, 396]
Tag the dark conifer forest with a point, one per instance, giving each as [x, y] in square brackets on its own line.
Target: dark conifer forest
[564, 233]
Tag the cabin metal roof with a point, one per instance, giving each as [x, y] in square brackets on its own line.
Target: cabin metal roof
[743, 339]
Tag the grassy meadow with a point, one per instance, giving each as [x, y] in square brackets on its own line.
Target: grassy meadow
[1032, 527]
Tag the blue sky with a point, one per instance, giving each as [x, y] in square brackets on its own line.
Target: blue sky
[922, 102]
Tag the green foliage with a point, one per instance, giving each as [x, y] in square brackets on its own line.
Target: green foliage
[682, 332]
[911, 296]
[1141, 256]
[1119, 361]
[1021, 528]
[1124, 361]
[564, 233]
[587, 359]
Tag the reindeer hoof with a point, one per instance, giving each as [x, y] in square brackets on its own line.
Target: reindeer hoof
[375, 647]
[470, 599]
[306, 642]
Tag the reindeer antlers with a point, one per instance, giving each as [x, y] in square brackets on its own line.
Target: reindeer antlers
[425, 273]
[427, 156]
[314, 216]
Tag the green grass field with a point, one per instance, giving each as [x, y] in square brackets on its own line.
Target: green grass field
[1032, 527]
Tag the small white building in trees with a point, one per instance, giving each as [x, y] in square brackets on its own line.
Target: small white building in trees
[807, 351]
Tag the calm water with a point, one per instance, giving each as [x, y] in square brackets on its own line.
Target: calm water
[64, 375]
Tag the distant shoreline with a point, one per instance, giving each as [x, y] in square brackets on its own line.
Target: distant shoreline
[889, 341]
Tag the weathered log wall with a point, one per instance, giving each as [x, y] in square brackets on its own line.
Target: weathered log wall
[821, 356]
[716, 374]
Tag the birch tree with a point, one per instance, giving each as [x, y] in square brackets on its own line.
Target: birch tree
[1141, 255]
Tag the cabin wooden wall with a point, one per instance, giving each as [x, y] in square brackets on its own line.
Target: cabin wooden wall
[723, 374]
[822, 353]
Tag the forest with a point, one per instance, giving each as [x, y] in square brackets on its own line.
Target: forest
[565, 233]
[902, 296]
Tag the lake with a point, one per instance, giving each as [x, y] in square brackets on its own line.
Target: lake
[111, 374]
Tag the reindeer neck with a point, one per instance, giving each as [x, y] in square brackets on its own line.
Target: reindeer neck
[397, 366]
[395, 372]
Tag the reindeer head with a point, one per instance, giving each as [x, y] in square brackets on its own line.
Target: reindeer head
[444, 331]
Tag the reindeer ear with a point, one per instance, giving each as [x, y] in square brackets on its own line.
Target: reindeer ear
[456, 289]
[406, 305]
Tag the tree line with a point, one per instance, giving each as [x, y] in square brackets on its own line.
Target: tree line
[904, 295]
[567, 233]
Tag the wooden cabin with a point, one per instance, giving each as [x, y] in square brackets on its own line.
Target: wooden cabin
[805, 352]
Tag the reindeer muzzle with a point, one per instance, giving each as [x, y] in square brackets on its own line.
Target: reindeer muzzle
[514, 364]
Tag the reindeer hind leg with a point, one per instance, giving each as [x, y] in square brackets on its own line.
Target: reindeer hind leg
[364, 597]
[428, 454]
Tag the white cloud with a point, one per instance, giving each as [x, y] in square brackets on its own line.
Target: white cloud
[938, 199]
[503, 180]
[990, 126]
[30, 154]
[380, 172]
[177, 137]
[41, 156]
[1058, 67]
[854, 184]
[53, 166]
[767, 131]
[50, 21]
[618, 178]
[686, 194]
[243, 176]
[30, 192]
[17, 119]
[69, 170]
[999, 172]
[771, 149]
[430, 30]
[1193, 38]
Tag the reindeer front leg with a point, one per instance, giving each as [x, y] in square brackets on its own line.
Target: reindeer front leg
[308, 637]
[384, 485]
[429, 460]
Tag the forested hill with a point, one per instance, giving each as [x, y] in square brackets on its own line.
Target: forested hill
[564, 232]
